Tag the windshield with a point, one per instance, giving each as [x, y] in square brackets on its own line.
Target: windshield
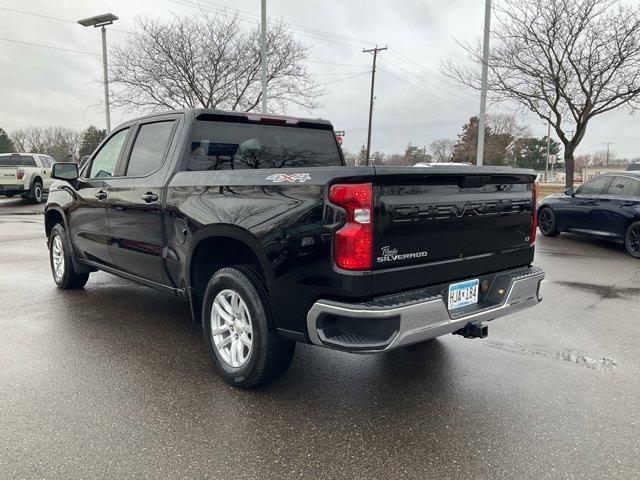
[225, 146]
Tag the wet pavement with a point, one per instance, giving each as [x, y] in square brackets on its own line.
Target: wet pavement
[113, 381]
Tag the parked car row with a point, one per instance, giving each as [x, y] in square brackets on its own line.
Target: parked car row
[25, 174]
[607, 206]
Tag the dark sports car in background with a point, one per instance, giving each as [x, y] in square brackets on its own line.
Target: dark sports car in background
[607, 206]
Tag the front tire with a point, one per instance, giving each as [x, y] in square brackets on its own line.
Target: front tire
[245, 351]
[632, 239]
[547, 222]
[64, 274]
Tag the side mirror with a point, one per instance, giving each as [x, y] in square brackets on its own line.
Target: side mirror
[65, 171]
[569, 192]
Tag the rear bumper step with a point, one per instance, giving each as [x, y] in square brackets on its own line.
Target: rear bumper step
[395, 321]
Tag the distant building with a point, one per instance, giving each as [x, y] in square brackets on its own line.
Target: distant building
[595, 170]
[633, 167]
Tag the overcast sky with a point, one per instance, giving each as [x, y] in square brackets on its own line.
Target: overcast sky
[414, 101]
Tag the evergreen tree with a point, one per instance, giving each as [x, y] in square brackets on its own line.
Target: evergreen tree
[91, 138]
[6, 145]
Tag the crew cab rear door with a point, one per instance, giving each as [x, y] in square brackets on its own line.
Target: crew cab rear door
[136, 203]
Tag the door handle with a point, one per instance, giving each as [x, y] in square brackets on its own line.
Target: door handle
[149, 197]
[101, 195]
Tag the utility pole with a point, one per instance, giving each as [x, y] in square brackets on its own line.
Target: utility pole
[483, 88]
[546, 165]
[373, 81]
[608, 144]
[263, 54]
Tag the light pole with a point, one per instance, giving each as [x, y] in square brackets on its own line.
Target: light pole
[263, 53]
[483, 87]
[102, 21]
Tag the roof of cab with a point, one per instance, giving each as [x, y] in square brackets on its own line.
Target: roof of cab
[212, 112]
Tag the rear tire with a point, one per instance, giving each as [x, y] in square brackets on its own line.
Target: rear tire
[61, 262]
[547, 222]
[36, 193]
[632, 239]
[9, 195]
[245, 351]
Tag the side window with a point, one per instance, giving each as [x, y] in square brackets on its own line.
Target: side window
[625, 186]
[104, 163]
[149, 148]
[593, 187]
[27, 161]
[45, 161]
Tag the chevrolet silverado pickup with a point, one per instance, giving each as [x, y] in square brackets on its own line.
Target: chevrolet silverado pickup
[256, 222]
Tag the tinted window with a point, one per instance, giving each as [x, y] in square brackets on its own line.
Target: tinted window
[149, 148]
[9, 161]
[45, 162]
[593, 187]
[27, 161]
[225, 146]
[624, 186]
[104, 163]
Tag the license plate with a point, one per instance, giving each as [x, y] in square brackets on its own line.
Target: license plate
[463, 293]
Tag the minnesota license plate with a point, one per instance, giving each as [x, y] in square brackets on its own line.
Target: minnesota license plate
[463, 293]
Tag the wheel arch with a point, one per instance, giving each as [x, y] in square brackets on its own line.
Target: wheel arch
[218, 246]
[34, 177]
[54, 214]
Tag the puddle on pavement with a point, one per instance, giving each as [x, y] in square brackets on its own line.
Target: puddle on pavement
[571, 356]
[604, 291]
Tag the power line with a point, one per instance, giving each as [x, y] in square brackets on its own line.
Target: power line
[313, 30]
[48, 17]
[304, 31]
[47, 46]
[439, 87]
[342, 79]
[425, 91]
[341, 64]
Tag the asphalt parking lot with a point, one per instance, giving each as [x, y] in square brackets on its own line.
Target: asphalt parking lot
[113, 381]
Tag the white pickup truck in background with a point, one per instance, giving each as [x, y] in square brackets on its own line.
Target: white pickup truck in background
[25, 174]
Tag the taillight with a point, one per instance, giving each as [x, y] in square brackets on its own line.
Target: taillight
[353, 243]
[534, 213]
[19, 174]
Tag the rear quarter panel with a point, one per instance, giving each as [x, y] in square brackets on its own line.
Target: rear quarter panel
[288, 219]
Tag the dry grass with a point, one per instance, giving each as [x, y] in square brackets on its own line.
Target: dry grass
[549, 188]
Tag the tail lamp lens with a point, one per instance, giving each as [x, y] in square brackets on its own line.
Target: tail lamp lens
[19, 174]
[534, 213]
[353, 243]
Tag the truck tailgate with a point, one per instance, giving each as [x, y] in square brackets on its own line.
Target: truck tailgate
[445, 224]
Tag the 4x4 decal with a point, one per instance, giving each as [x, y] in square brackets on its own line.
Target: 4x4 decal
[290, 178]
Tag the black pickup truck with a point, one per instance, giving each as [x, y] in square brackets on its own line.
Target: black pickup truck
[256, 222]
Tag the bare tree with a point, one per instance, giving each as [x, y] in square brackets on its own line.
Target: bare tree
[59, 142]
[209, 62]
[565, 60]
[442, 149]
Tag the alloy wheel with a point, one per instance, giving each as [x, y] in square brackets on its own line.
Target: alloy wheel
[545, 221]
[231, 329]
[57, 255]
[634, 239]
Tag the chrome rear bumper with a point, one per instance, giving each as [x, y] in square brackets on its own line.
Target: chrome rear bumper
[388, 325]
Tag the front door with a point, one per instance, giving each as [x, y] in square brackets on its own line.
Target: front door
[88, 224]
[582, 208]
[135, 203]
